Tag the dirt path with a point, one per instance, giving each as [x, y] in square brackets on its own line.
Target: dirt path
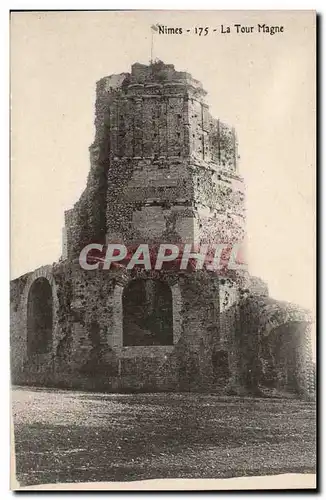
[65, 436]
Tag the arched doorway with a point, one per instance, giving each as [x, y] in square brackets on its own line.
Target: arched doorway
[284, 360]
[39, 317]
[147, 313]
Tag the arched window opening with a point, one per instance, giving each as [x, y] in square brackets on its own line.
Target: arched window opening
[147, 313]
[39, 317]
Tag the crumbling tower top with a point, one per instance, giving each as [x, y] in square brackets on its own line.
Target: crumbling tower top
[156, 111]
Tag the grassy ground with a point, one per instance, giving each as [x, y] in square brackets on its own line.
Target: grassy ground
[65, 436]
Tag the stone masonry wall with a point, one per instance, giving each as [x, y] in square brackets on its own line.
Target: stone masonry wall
[86, 352]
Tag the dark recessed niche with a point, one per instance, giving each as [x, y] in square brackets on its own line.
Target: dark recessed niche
[147, 313]
[39, 317]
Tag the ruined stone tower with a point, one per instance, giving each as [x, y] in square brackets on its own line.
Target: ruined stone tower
[162, 171]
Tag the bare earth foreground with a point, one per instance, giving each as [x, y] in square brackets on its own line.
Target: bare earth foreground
[65, 436]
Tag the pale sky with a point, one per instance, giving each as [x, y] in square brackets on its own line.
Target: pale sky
[263, 85]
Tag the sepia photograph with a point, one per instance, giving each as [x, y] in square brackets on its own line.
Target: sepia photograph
[163, 250]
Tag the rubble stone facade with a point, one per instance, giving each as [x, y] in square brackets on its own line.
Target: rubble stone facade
[163, 170]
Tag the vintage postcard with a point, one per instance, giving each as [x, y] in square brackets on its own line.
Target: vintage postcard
[163, 168]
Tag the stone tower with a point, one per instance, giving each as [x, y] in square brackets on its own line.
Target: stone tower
[162, 171]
